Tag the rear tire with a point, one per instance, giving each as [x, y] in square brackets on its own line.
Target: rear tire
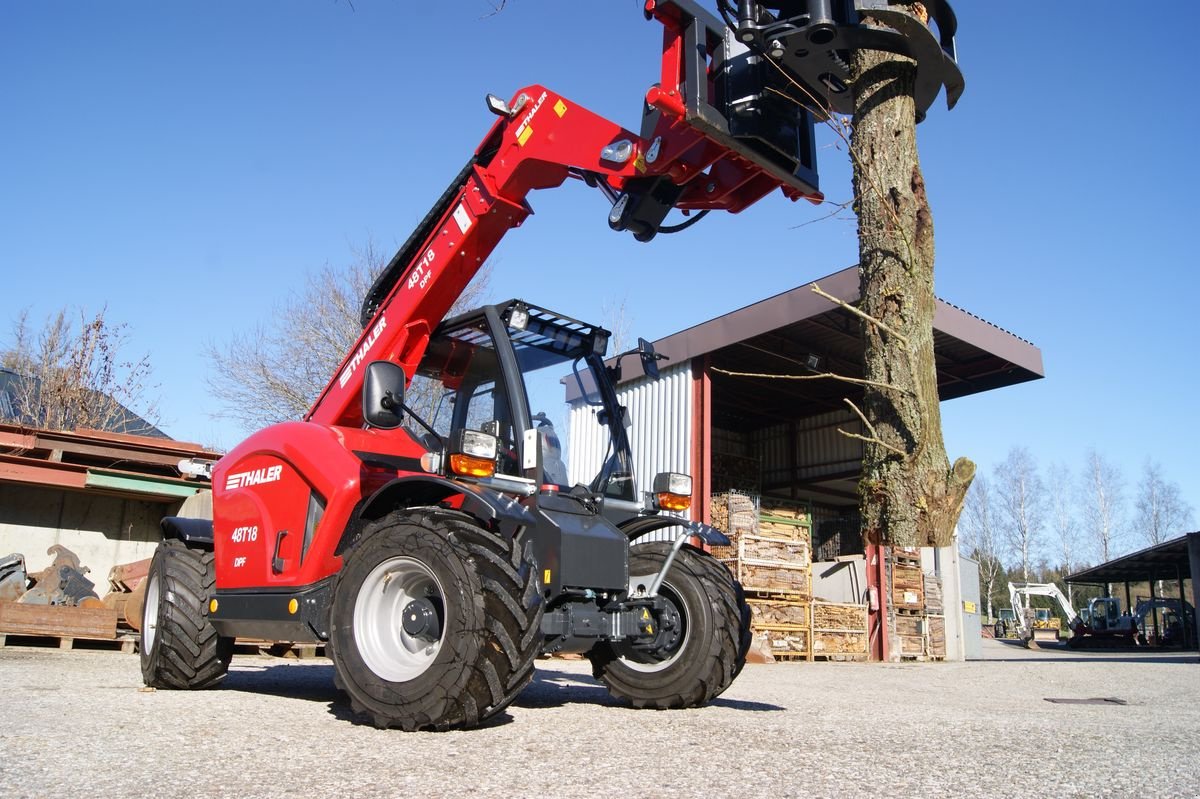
[180, 648]
[435, 621]
[710, 652]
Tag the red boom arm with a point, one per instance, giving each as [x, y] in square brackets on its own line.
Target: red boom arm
[540, 140]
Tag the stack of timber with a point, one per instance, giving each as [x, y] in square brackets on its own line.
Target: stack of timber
[839, 631]
[935, 626]
[933, 595]
[783, 626]
[909, 636]
[908, 594]
[776, 557]
[937, 637]
[734, 513]
[771, 556]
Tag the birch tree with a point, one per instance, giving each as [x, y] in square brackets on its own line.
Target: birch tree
[1022, 506]
[1062, 519]
[980, 538]
[1102, 505]
[1162, 512]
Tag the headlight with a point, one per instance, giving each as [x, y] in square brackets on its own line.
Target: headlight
[673, 491]
[473, 454]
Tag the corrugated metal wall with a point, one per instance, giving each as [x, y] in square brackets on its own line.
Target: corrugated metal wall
[661, 435]
[818, 449]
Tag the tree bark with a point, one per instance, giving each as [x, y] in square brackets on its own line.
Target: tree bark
[914, 498]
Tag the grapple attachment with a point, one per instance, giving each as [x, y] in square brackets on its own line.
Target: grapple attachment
[810, 41]
[733, 113]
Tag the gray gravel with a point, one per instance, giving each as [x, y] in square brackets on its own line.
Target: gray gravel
[76, 723]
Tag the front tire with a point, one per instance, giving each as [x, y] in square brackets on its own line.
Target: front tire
[711, 648]
[435, 622]
[180, 648]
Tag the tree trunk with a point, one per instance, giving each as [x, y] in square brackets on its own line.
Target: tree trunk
[909, 493]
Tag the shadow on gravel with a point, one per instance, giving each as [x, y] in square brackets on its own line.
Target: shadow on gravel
[1004, 651]
[556, 689]
[313, 682]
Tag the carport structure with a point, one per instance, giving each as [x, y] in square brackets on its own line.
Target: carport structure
[726, 411]
[780, 437]
[1175, 561]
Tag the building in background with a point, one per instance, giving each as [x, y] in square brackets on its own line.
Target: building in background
[776, 441]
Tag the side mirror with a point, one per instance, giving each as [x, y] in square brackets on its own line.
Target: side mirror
[649, 357]
[383, 395]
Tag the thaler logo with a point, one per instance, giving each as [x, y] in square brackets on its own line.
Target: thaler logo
[267, 474]
[529, 117]
[348, 372]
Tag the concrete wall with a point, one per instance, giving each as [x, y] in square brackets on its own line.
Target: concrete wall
[842, 581]
[102, 530]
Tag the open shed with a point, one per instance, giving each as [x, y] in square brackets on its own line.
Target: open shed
[724, 412]
[1172, 563]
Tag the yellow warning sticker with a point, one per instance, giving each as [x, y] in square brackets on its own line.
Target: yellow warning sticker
[546, 577]
[524, 135]
[560, 108]
[639, 163]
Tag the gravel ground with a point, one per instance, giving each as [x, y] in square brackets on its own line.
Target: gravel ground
[277, 727]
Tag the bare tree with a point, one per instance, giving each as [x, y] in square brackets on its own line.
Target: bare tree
[274, 372]
[1102, 492]
[1022, 496]
[69, 375]
[909, 492]
[980, 538]
[615, 316]
[1162, 511]
[1062, 519]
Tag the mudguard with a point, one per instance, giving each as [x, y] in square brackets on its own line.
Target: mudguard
[421, 490]
[193, 532]
[636, 528]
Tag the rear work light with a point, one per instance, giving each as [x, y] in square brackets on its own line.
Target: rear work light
[473, 454]
[672, 491]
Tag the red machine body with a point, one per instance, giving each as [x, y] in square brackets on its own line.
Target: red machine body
[430, 535]
[287, 496]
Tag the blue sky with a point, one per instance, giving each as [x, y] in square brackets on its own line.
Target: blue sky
[187, 163]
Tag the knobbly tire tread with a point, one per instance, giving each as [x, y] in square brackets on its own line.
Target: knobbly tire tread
[718, 639]
[187, 653]
[486, 657]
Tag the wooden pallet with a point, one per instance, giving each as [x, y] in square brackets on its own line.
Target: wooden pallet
[839, 629]
[127, 644]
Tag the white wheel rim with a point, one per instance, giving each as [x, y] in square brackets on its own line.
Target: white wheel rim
[386, 649]
[150, 614]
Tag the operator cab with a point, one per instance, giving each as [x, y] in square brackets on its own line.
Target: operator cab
[498, 370]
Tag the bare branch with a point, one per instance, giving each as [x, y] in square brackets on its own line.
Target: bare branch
[819, 376]
[870, 428]
[860, 314]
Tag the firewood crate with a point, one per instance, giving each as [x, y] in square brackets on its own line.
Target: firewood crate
[937, 637]
[908, 588]
[909, 633]
[839, 629]
[785, 642]
[782, 610]
[769, 565]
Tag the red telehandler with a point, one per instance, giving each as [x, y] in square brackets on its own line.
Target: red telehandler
[438, 551]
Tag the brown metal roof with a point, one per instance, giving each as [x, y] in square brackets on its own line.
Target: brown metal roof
[73, 459]
[774, 336]
[1165, 561]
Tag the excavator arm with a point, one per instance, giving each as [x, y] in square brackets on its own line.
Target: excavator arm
[720, 131]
